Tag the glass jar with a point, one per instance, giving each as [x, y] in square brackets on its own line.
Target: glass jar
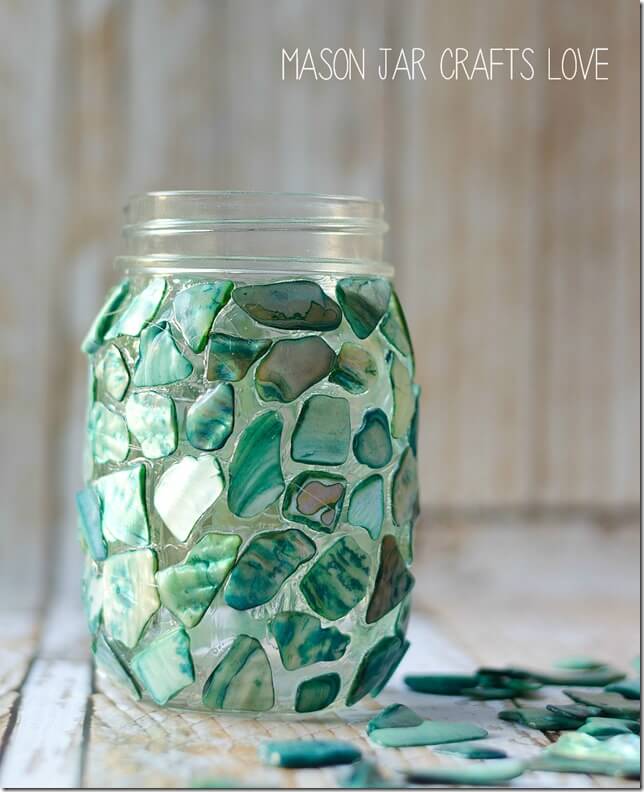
[251, 460]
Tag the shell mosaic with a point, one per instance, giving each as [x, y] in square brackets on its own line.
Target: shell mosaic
[250, 490]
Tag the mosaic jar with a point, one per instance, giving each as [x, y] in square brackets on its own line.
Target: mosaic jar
[251, 479]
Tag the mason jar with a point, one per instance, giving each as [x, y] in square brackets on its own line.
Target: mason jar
[250, 484]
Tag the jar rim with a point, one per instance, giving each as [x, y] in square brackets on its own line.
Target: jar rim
[223, 207]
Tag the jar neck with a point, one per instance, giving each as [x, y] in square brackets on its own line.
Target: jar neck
[245, 232]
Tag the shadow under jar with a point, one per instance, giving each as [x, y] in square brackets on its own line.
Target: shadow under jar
[251, 481]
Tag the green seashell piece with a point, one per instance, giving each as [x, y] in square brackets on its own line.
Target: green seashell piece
[196, 307]
[322, 432]
[367, 505]
[242, 681]
[122, 494]
[471, 774]
[108, 661]
[211, 418]
[404, 397]
[92, 592]
[302, 640]
[376, 668]
[576, 752]
[404, 495]
[187, 589]
[255, 471]
[472, 750]
[89, 513]
[393, 581]
[164, 667]
[292, 366]
[611, 704]
[393, 717]
[364, 302]
[355, 369]
[602, 728]
[432, 732]
[317, 693]
[268, 560]
[372, 442]
[308, 753]
[106, 316]
[394, 327]
[629, 688]
[112, 373]
[152, 419]
[540, 718]
[442, 684]
[315, 498]
[338, 580]
[291, 305]
[186, 490]
[129, 594]
[230, 357]
[108, 434]
[139, 311]
[159, 361]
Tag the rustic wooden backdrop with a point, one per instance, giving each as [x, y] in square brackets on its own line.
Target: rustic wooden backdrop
[513, 205]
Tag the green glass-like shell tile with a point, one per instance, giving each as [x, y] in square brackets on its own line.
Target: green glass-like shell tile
[129, 594]
[196, 307]
[165, 667]
[394, 327]
[611, 704]
[242, 681]
[540, 718]
[256, 479]
[403, 616]
[108, 435]
[315, 498]
[160, 362]
[268, 560]
[106, 316]
[230, 357]
[602, 728]
[404, 495]
[376, 667]
[491, 774]
[152, 419]
[317, 693]
[393, 581]
[108, 660]
[140, 310]
[576, 752]
[394, 716]
[413, 426]
[432, 732]
[112, 373]
[292, 366]
[302, 640]
[364, 301]
[355, 369]
[372, 442]
[291, 305]
[186, 490]
[629, 688]
[472, 750]
[124, 514]
[322, 432]
[187, 589]
[308, 753]
[338, 580]
[92, 592]
[211, 418]
[367, 505]
[89, 513]
[366, 774]
[404, 397]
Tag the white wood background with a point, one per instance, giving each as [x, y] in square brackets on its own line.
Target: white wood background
[514, 215]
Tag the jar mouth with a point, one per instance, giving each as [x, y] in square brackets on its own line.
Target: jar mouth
[185, 208]
[198, 230]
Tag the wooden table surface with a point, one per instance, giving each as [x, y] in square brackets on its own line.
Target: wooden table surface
[495, 593]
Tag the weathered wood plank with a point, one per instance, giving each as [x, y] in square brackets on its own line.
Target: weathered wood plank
[44, 748]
